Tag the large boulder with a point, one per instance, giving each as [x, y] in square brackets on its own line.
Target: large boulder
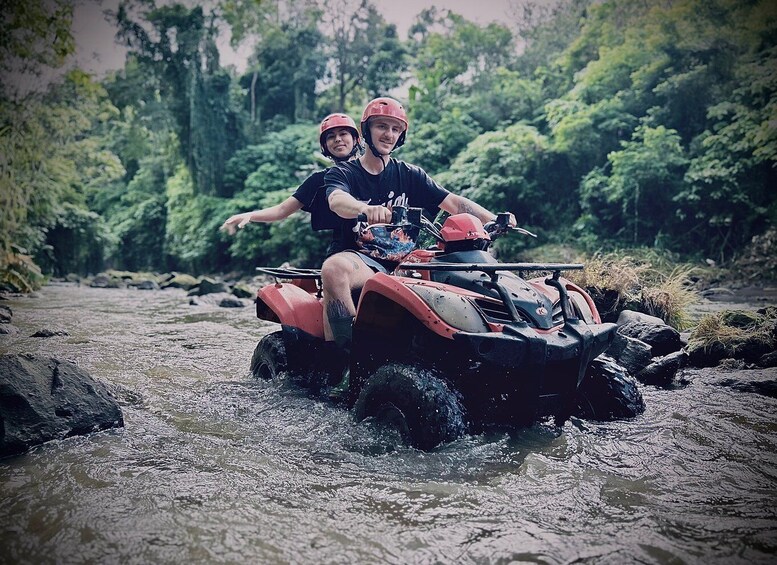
[44, 398]
[662, 338]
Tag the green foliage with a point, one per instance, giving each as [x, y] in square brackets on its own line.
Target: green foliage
[286, 67]
[77, 242]
[191, 228]
[277, 162]
[139, 217]
[621, 122]
[635, 201]
[181, 52]
[433, 145]
[514, 170]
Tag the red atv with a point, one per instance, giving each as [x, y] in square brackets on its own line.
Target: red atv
[452, 341]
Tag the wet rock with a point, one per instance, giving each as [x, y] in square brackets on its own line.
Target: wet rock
[662, 371]
[210, 286]
[231, 302]
[8, 329]
[147, 284]
[242, 291]
[631, 353]
[184, 281]
[104, 281]
[46, 332]
[44, 398]
[662, 338]
[629, 316]
[6, 315]
[768, 360]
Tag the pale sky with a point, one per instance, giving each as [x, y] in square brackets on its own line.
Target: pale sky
[97, 51]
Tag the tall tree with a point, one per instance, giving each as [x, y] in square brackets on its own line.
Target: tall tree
[366, 55]
[180, 49]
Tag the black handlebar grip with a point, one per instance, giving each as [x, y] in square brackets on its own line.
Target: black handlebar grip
[503, 219]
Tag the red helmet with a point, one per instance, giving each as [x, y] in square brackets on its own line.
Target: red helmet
[333, 121]
[384, 106]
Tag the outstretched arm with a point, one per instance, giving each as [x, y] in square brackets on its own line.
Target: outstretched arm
[271, 214]
[455, 204]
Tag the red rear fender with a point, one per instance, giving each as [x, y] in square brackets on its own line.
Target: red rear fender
[290, 305]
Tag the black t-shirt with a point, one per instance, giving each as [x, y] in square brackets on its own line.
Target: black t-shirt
[312, 195]
[399, 184]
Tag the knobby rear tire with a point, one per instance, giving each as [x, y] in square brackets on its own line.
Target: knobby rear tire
[269, 358]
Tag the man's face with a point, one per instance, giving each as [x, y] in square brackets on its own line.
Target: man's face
[339, 142]
[385, 132]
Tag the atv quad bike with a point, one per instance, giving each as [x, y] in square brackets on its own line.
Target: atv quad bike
[452, 341]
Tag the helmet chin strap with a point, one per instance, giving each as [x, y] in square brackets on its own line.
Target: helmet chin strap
[368, 139]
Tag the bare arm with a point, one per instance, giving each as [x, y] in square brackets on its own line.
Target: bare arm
[346, 206]
[455, 204]
[271, 214]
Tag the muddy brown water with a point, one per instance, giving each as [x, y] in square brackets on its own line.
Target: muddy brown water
[216, 467]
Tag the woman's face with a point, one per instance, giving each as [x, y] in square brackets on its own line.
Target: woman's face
[339, 142]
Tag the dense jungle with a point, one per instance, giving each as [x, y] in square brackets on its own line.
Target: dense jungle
[602, 125]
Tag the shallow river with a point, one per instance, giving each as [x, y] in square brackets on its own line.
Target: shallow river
[215, 467]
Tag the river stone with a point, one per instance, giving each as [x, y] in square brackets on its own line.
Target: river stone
[45, 332]
[8, 329]
[630, 353]
[45, 398]
[147, 284]
[629, 316]
[242, 291]
[209, 286]
[6, 315]
[104, 281]
[181, 280]
[662, 338]
[766, 361]
[662, 371]
[231, 302]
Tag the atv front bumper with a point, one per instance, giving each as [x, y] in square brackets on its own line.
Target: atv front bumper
[519, 374]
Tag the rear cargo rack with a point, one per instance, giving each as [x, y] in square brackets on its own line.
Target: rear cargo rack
[492, 267]
[290, 272]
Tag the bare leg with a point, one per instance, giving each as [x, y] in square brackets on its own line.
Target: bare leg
[340, 274]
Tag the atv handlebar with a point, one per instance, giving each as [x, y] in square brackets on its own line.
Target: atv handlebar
[415, 216]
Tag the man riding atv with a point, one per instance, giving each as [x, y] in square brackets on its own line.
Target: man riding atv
[372, 185]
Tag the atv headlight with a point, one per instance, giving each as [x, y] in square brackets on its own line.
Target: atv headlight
[453, 309]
